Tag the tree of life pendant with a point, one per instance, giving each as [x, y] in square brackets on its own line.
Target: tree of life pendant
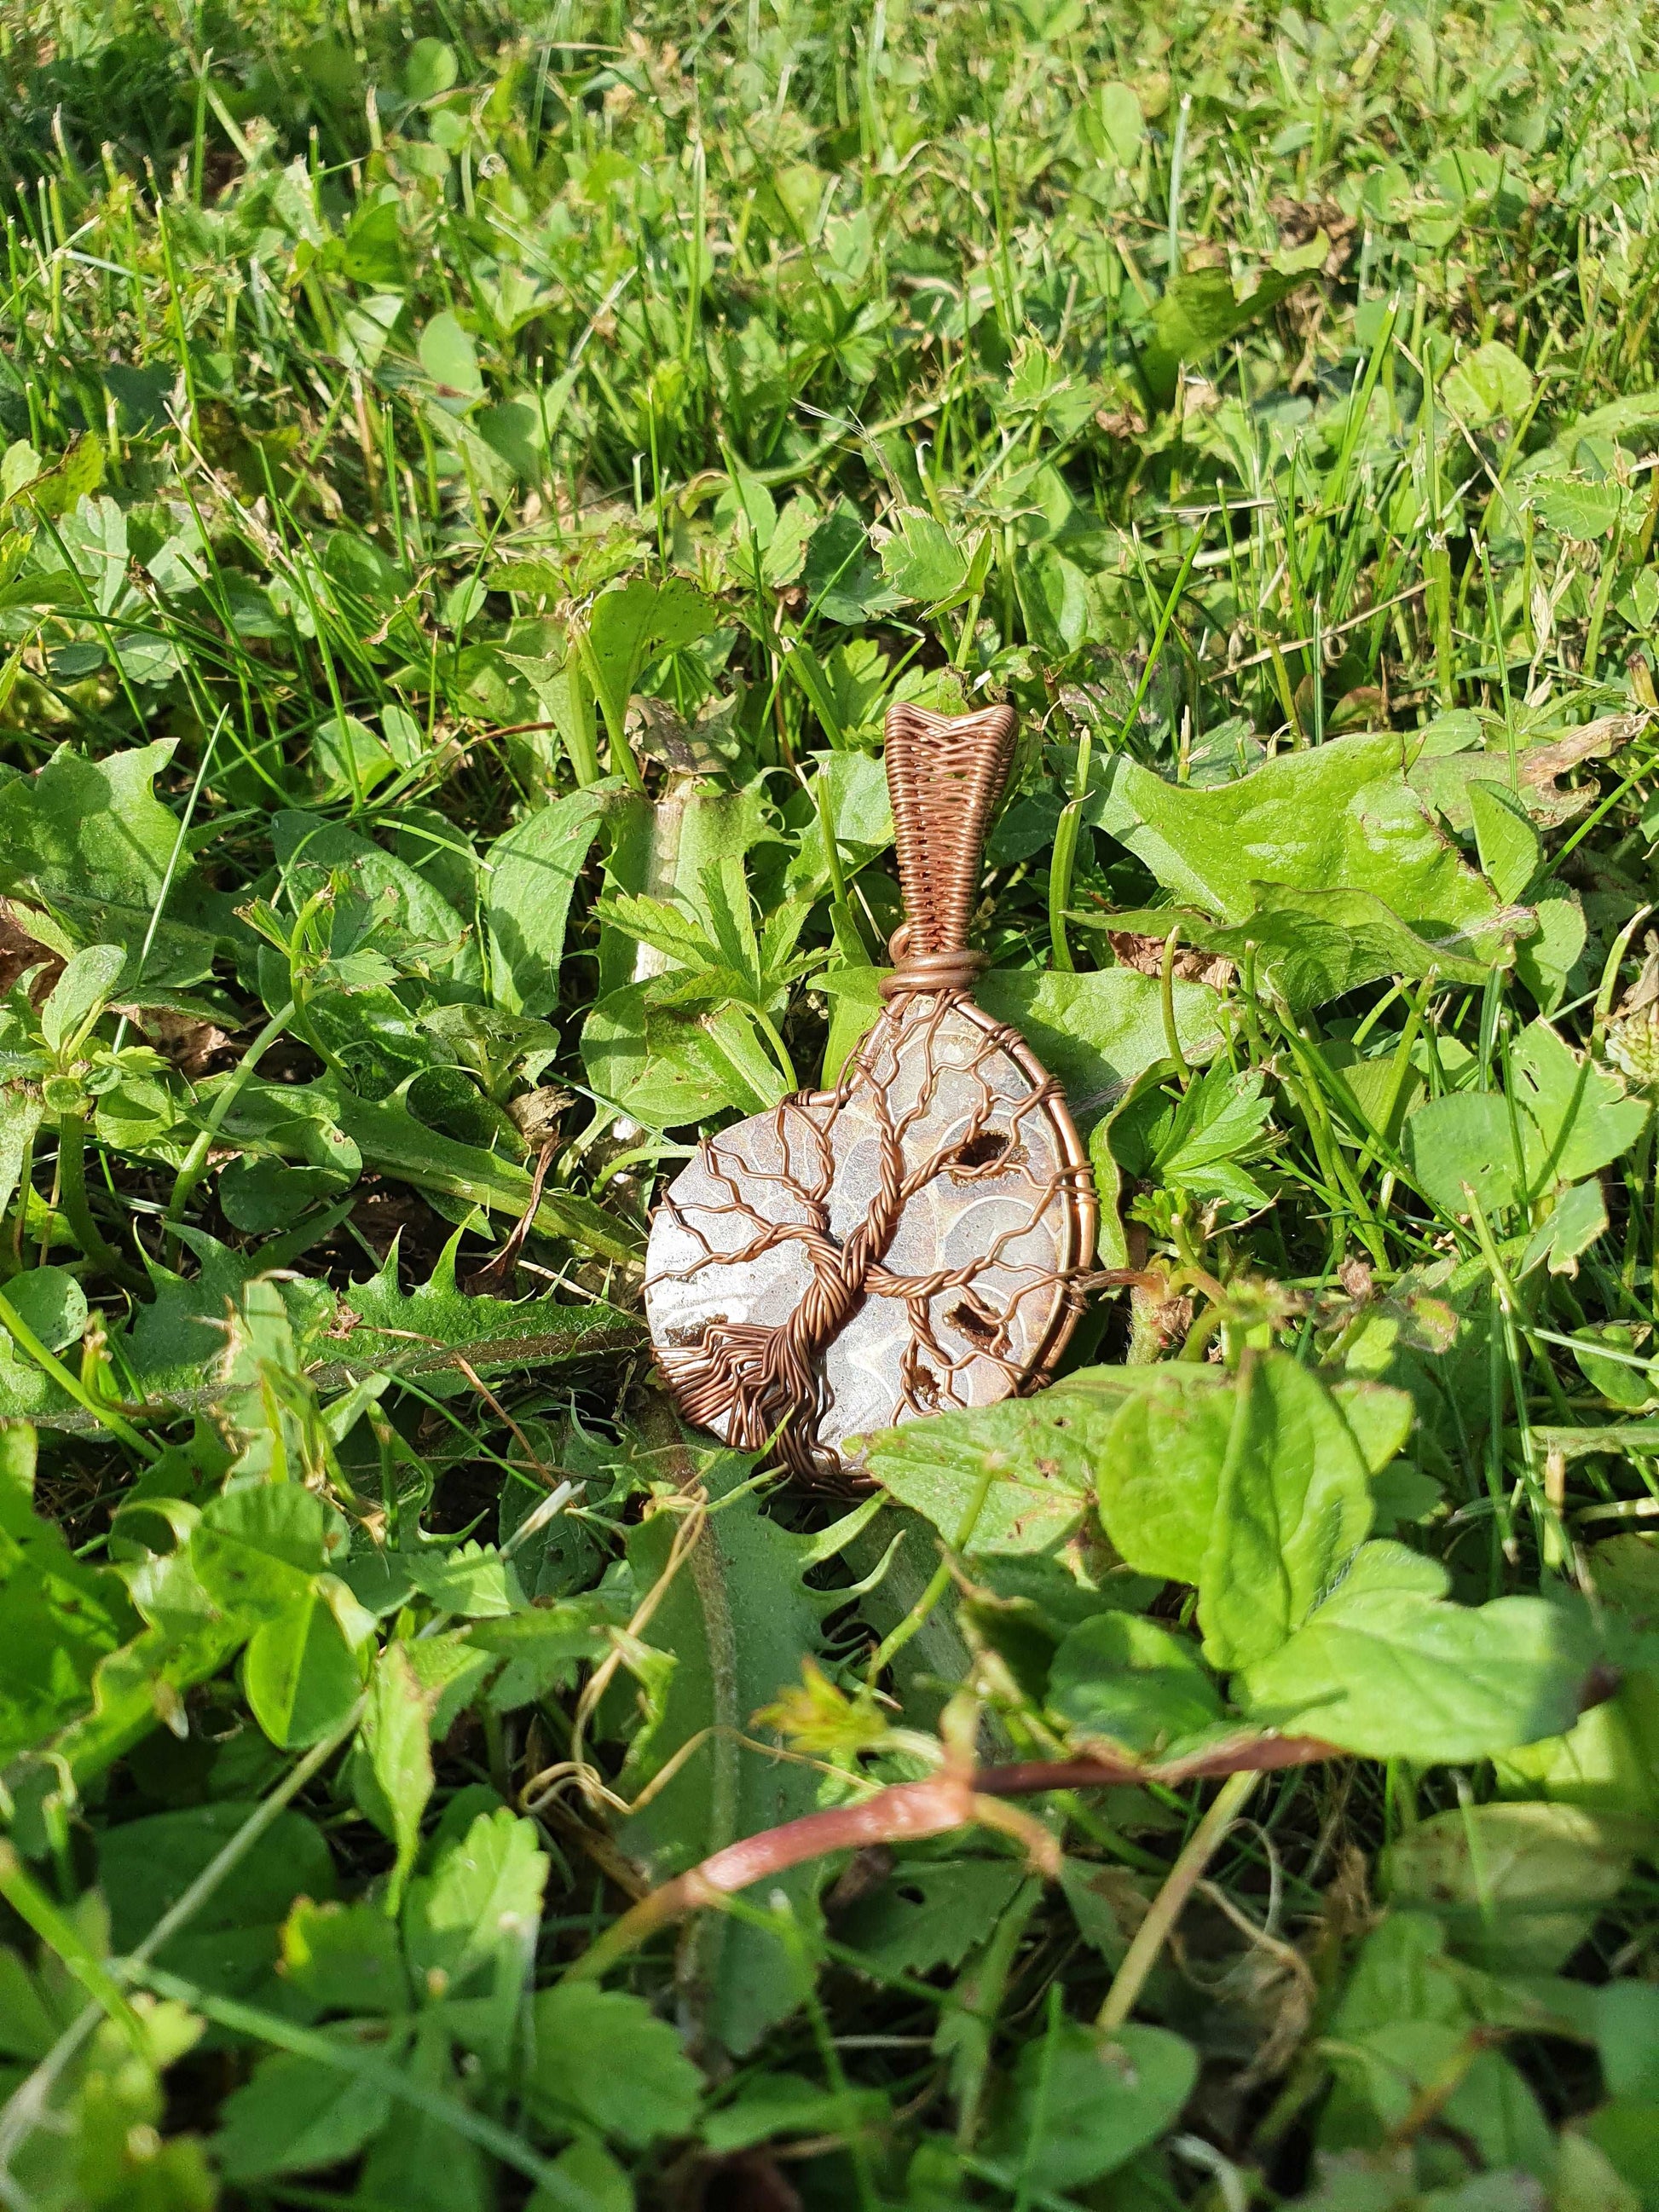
[914, 1239]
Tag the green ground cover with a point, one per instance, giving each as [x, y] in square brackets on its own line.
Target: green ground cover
[471, 483]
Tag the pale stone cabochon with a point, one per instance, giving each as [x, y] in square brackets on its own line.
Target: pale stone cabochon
[1015, 1213]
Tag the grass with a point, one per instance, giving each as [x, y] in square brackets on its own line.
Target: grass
[503, 462]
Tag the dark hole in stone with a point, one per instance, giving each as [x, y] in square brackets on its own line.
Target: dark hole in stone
[988, 1150]
[972, 1324]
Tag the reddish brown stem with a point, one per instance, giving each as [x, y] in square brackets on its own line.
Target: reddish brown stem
[905, 1813]
[953, 1798]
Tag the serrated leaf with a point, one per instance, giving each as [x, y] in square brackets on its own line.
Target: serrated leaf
[425, 1333]
[470, 1926]
[474, 1580]
[1491, 383]
[604, 2062]
[929, 1914]
[1027, 1465]
[1584, 512]
[922, 562]
[630, 624]
[295, 2116]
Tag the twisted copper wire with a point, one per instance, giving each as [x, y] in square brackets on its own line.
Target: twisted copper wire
[944, 773]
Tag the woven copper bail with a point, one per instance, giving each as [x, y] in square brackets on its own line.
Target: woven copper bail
[943, 774]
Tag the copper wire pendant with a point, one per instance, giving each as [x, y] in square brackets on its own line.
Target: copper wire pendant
[912, 1240]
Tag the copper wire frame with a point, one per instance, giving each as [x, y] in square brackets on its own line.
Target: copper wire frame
[943, 774]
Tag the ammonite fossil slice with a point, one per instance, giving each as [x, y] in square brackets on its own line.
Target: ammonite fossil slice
[911, 1240]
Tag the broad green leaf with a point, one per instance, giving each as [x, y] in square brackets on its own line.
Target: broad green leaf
[80, 995]
[1387, 1667]
[1511, 848]
[1465, 1141]
[604, 2062]
[1627, 2039]
[671, 1069]
[257, 1549]
[1618, 1381]
[1199, 313]
[1544, 961]
[1194, 1142]
[1581, 510]
[420, 2163]
[1262, 1494]
[586, 2166]
[772, 2104]
[1293, 1501]
[344, 1958]
[450, 358]
[1489, 384]
[395, 1778]
[1011, 1478]
[91, 842]
[1085, 2100]
[1096, 1033]
[230, 1944]
[1580, 1119]
[1516, 1887]
[59, 1616]
[295, 2116]
[852, 791]
[377, 898]
[1313, 945]
[922, 562]
[470, 1926]
[1158, 1469]
[1122, 1679]
[430, 69]
[365, 328]
[1340, 816]
[474, 1580]
[301, 1674]
[544, 1647]
[532, 872]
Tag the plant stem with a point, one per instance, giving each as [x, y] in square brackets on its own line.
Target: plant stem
[72, 1199]
[194, 1162]
[107, 1417]
[1167, 1906]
